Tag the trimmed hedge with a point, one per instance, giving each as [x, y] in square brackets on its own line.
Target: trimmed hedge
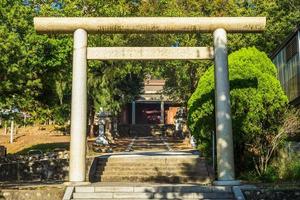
[257, 101]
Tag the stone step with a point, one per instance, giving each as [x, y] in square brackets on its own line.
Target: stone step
[152, 143]
[153, 167]
[150, 195]
[119, 159]
[146, 166]
[154, 188]
[152, 162]
[156, 179]
[160, 146]
[105, 191]
[221, 198]
[158, 141]
[150, 169]
[154, 173]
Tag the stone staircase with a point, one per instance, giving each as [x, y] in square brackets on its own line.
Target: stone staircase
[149, 143]
[149, 167]
[150, 175]
[145, 129]
[155, 192]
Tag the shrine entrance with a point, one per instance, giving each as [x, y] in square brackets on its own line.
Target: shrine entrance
[81, 26]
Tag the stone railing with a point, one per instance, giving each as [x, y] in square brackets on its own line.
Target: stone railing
[37, 170]
[36, 167]
[3, 151]
[53, 167]
[34, 157]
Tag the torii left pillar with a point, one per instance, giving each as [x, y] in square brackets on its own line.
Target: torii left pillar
[79, 108]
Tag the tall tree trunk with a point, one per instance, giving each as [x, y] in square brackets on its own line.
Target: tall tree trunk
[91, 119]
[193, 79]
[5, 127]
[11, 131]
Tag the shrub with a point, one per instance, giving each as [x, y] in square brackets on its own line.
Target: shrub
[257, 104]
[290, 171]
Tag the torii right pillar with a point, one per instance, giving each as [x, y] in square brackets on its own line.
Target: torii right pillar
[224, 139]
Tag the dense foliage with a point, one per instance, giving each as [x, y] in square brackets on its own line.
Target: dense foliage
[257, 102]
[35, 70]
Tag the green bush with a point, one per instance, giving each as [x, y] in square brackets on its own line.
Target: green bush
[257, 104]
[270, 175]
[283, 169]
[289, 168]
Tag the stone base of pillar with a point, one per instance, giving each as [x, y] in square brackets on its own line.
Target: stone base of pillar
[227, 183]
[76, 183]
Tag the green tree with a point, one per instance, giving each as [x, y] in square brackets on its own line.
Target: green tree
[36, 69]
[19, 85]
[257, 102]
[282, 17]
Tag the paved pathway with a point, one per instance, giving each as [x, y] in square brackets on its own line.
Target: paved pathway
[148, 144]
[157, 143]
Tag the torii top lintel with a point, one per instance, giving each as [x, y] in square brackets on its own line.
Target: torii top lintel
[148, 24]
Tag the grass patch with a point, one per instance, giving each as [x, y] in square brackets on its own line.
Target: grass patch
[47, 147]
[283, 169]
[289, 168]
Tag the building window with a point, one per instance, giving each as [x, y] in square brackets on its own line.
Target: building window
[291, 48]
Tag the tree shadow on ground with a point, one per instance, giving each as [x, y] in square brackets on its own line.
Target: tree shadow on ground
[191, 191]
[47, 147]
[194, 172]
[97, 168]
[197, 181]
[197, 172]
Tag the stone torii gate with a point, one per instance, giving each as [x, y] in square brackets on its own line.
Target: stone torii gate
[81, 26]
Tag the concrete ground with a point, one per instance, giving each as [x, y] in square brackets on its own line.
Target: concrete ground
[149, 143]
